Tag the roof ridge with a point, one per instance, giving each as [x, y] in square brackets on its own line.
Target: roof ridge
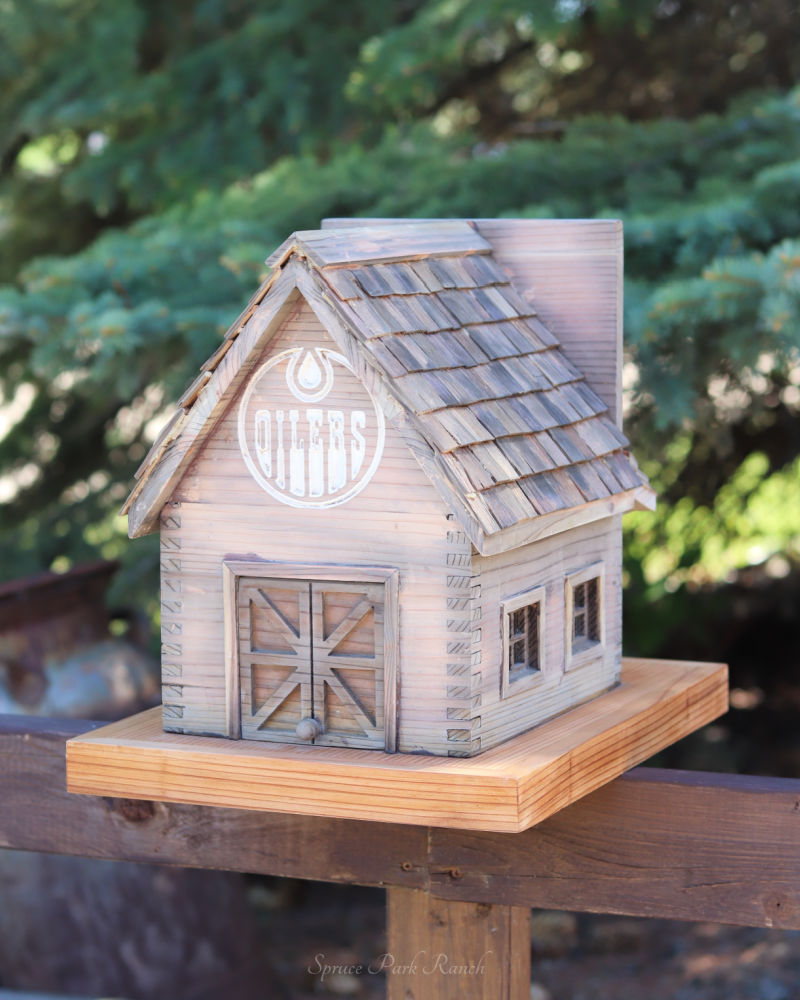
[325, 247]
[504, 424]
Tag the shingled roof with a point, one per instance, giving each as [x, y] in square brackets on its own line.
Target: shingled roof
[510, 429]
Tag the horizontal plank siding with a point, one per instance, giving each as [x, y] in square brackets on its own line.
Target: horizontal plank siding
[397, 521]
[546, 564]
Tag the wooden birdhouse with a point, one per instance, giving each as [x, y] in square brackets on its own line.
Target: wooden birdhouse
[390, 506]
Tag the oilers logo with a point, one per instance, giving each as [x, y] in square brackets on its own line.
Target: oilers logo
[309, 431]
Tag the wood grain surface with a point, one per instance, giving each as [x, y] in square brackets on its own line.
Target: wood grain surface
[441, 950]
[688, 846]
[508, 788]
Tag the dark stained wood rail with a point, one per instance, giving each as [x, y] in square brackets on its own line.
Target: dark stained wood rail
[653, 843]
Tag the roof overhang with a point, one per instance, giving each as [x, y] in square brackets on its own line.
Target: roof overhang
[300, 271]
[537, 528]
[172, 452]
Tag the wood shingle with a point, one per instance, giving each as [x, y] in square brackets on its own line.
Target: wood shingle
[437, 322]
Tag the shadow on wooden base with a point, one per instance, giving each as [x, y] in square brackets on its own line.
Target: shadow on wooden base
[507, 789]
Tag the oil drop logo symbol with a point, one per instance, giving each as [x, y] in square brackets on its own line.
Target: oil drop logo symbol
[310, 378]
[319, 454]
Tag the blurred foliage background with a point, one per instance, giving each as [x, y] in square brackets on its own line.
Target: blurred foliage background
[152, 154]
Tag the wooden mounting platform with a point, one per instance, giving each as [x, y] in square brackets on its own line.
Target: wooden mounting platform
[507, 789]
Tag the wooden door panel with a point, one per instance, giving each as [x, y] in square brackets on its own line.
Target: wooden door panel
[276, 618]
[359, 687]
[347, 624]
[311, 648]
[283, 718]
[347, 644]
[274, 656]
[343, 726]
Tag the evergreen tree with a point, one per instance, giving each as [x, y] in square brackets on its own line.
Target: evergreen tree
[153, 154]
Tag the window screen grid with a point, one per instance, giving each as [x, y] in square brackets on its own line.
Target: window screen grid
[523, 648]
[586, 612]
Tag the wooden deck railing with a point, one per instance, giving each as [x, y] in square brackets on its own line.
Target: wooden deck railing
[653, 843]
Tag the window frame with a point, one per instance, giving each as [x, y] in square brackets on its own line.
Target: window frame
[527, 680]
[593, 648]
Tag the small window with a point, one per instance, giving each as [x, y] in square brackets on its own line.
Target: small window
[584, 618]
[585, 614]
[522, 639]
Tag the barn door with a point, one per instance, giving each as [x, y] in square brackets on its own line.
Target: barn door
[274, 635]
[311, 650]
[348, 660]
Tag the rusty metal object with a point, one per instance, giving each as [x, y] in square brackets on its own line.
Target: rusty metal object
[57, 656]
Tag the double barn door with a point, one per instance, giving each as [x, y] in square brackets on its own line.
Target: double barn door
[311, 661]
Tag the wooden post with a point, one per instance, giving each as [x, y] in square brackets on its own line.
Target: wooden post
[446, 950]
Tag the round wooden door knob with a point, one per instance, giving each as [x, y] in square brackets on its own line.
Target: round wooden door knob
[308, 729]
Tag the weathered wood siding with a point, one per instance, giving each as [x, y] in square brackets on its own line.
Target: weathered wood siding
[219, 512]
[546, 564]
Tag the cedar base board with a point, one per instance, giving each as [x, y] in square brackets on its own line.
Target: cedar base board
[506, 789]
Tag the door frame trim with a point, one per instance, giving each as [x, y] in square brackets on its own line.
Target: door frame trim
[232, 569]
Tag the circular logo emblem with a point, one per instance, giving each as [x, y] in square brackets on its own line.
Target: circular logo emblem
[309, 431]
